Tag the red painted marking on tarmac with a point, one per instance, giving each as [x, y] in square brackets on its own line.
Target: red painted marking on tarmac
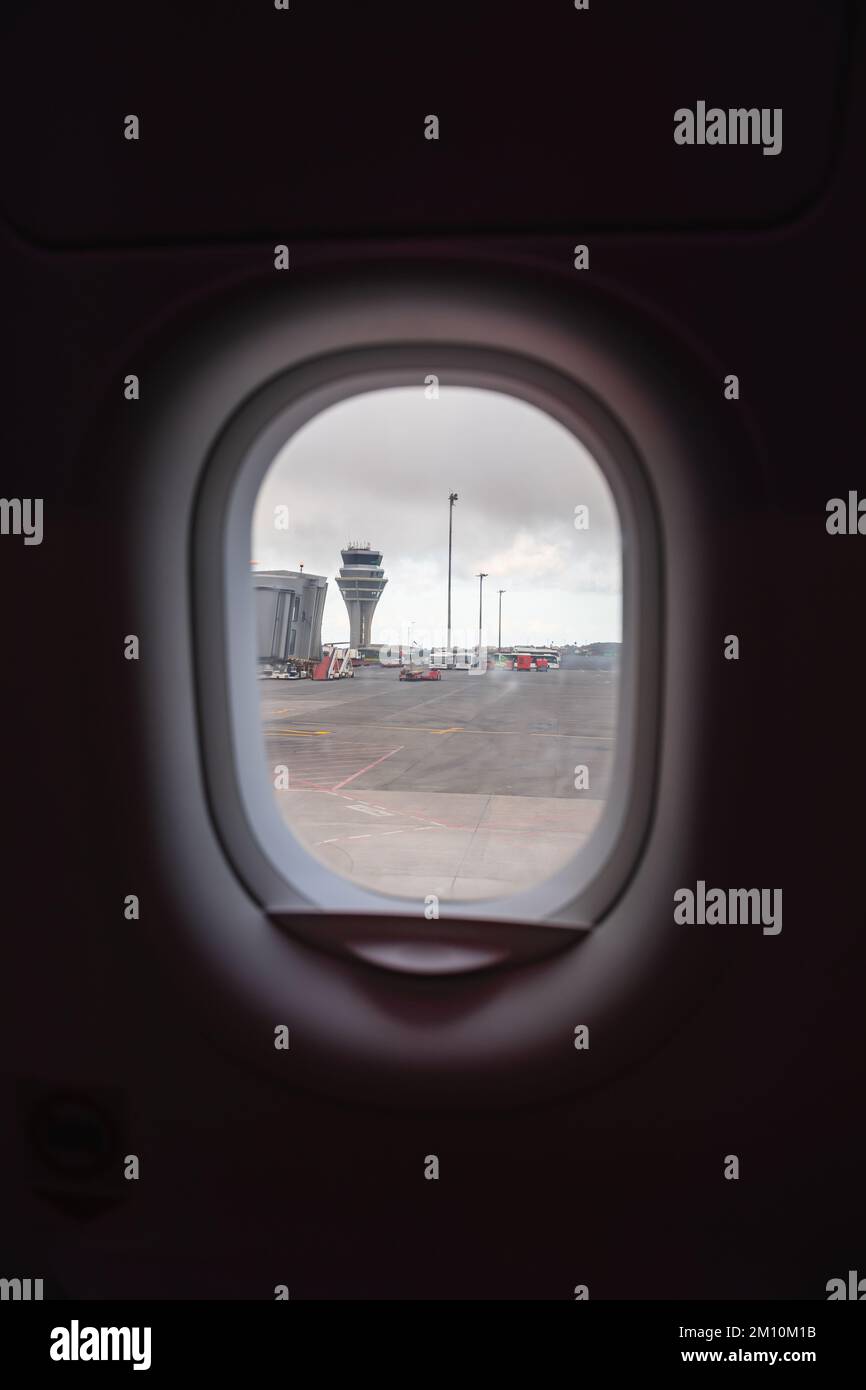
[346, 780]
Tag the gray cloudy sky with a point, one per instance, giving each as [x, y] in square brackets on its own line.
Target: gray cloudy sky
[379, 467]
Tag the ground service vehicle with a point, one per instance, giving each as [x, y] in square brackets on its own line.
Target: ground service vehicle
[420, 673]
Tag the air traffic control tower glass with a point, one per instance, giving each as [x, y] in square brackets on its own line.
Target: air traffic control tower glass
[438, 593]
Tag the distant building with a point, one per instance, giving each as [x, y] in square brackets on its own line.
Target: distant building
[611, 649]
[289, 608]
[361, 581]
[592, 656]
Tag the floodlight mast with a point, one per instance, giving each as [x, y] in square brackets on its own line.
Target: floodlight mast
[452, 498]
[481, 579]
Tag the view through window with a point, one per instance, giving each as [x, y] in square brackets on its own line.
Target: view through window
[437, 577]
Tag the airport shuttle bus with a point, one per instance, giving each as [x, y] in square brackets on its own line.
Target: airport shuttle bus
[454, 658]
[439, 658]
[404, 656]
[535, 653]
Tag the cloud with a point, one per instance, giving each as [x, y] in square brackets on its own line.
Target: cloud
[380, 466]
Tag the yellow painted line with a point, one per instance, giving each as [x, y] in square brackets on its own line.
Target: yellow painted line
[532, 733]
[420, 729]
[507, 733]
[414, 728]
[296, 733]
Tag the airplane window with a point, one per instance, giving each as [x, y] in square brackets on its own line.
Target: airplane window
[437, 586]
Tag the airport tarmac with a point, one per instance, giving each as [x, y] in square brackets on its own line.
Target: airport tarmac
[462, 788]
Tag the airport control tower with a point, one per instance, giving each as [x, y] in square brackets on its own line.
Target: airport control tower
[361, 581]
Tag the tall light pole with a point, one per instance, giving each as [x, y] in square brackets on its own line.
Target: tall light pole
[501, 592]
[452, 498]
[481, 579]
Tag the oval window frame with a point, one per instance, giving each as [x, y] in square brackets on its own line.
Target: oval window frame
[495, 1036]
[291, 884]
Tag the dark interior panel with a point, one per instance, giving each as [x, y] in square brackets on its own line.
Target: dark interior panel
[551, 119]
[306, 126]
